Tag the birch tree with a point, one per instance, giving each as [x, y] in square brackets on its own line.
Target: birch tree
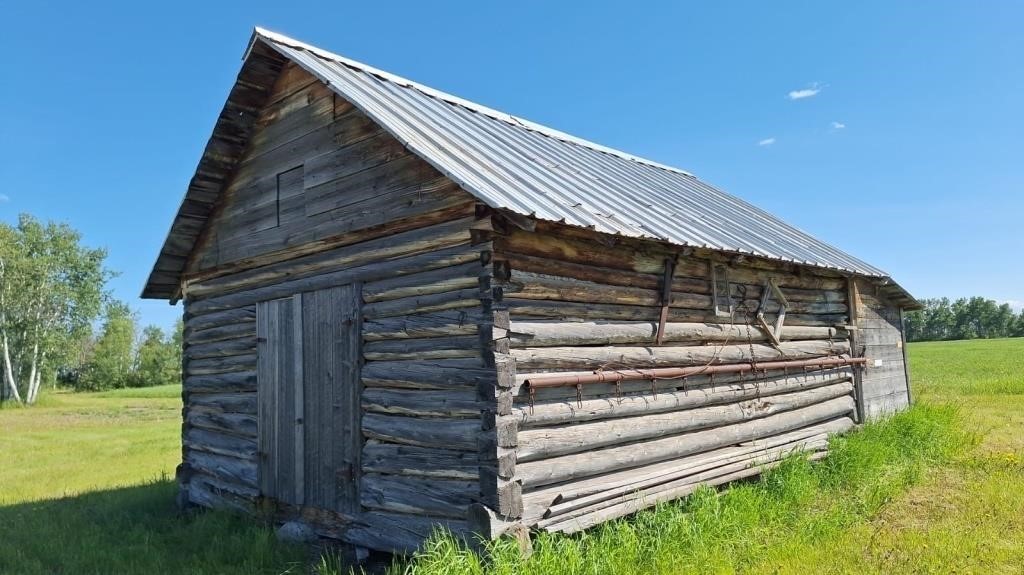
[51, 289]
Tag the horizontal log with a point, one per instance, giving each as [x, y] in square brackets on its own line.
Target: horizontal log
[457, 322]
[228, 469]
[214, 365]
[196, 322]
[526, 285]
[612, 357]
[425, 348]
[523, 309]
[397, 459]
[427, 374]
[698, 283]
[222, 382]
[211, 492]
[219, 443]
[456, 434]
[422, 403]
[418, 495]
[222, 348]
[647, 498]
[693, 475]
[240, 424]
[696, 394]
[599, 461]
[538, 500]
[463, 298]
[441, 280]
[385, 248]
[547, 442]
[398, 532]
[244, 403]
[554, 333]
[220, 333]
[376, 270]
[646, 259]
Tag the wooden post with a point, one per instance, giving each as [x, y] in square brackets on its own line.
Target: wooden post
[906, 365]
[853, 303]
[666, 298]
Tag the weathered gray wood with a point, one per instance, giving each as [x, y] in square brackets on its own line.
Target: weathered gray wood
[227, 469]
[222, 382]
[629, 504]
[457, 322]
[639, 357]
[399, 532]
[693, 475]
[398, 459]
[331, 382]
[438, 236]
[526, 285]
[456, 434]
[427, 374]
[599, 461]
[215, 442]
[537, 501]
[696, 395]
[416, 304]
[196, 322]
[375, 270]
[221, 332]
[239, 346]
[212, 492]
[522, 309]
[441, 280]
[277, 380]
[215, 365]
[555, 333]
[419, 495]
[425, 348]
[228, 402]
[546, 442]
[423, 403]
[240, 424]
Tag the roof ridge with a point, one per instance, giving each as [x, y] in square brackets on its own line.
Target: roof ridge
[271, 36]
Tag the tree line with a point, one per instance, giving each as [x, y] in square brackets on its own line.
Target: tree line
[53, 295]
[965, 318]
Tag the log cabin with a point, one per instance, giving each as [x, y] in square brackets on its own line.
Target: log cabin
[406, 311]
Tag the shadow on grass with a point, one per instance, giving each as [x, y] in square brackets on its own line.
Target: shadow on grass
[135, 529]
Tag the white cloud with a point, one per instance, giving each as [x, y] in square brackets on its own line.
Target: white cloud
[766, 142]
[805, 92]
[1016, 304]
[838, 125]
[4, 198]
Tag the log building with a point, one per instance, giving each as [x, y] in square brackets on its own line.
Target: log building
[404, 310]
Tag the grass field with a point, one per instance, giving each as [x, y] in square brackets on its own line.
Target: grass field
[85, 488]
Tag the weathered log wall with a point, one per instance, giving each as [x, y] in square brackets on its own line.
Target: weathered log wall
[880, 338]
[324, 198]
[572, 456]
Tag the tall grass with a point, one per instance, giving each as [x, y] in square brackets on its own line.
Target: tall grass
[715, 531]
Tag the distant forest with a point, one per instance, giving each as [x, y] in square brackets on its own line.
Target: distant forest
[965, 318]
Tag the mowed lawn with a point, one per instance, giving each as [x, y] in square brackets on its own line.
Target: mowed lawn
[85, 487]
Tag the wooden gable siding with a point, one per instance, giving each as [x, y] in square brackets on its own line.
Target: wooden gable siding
[315, 170]
[880, 335]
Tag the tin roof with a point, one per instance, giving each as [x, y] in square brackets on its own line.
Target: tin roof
[513, 164]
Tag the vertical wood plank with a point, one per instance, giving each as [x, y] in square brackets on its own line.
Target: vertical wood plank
[299, 400]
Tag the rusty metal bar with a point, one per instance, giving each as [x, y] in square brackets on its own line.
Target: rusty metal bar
[677, 372]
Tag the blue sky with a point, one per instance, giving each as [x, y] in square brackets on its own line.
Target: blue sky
[905, 149]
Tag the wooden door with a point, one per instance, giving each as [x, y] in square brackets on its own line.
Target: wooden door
[308, 391]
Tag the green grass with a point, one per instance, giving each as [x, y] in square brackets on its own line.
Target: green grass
[85, 488]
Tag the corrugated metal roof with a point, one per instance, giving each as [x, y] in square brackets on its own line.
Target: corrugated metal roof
[518, 165]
